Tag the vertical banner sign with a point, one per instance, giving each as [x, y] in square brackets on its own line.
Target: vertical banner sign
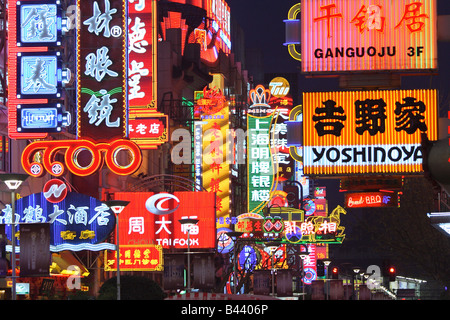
[215, 165]
[359, 35]
[101, 67]
[35, 255]
[260, 162]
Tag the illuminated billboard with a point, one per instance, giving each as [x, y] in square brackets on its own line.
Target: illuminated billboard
[371, 199]
[152, 218]
[364, 36]
[367, 131]
[78, 222]
[135, 258]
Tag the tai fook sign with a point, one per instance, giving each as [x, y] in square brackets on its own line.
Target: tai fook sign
[154, 219]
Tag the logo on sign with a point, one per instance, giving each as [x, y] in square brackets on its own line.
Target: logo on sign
[55, 191]
[159, 204]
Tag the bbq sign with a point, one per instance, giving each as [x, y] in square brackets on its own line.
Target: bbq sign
[367, 131]
[366, 35]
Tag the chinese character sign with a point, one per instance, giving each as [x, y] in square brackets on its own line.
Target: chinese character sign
[260, 162]
[78, 222]
[367, 131]
[361, 35]
[215, 164]
[101, 70]
[140, 65]
[154, 219]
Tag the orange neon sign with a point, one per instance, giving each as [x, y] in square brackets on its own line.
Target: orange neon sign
[358, 35]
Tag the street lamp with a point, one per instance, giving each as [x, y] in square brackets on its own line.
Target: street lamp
[273, 246]
[117, 207]
[188, 223]
[234, 235]
[13, 182]
[356, 271]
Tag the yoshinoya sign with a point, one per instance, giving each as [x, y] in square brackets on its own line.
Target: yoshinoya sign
[367, 131]
[361, 35]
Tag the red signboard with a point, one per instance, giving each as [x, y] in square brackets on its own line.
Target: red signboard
[154, 219]
[371, 199]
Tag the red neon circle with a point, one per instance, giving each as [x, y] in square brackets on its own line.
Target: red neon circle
[55, 190]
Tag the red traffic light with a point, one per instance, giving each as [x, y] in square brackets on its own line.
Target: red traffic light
[391, 270]
[335, 270]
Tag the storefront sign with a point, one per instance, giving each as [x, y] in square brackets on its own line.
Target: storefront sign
[154, 219]
[363, 36]
[78, 222]
[371, 199]
[367, 131]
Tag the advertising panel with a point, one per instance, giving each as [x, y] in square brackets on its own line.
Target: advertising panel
[101, 69]
[367, 131]
[371, 199]
[147, 257]
[365, 36]
[152, 218]
[78, 222]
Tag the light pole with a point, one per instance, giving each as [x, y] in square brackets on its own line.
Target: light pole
[117, 207]
[327, 262]
[188, 223]
[234, 235]
[13, 182]
[303, 255]
[356, 271]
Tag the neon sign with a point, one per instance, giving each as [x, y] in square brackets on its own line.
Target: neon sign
[371, 199]
[355, 36]
[78, 222]
[367, 131]
[153, 219]
[40, 23]
[42, 118]
[136, 258]
[109, 152]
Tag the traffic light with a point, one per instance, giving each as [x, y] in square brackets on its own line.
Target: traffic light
[320, 268]
[392, 272]
[335, 273]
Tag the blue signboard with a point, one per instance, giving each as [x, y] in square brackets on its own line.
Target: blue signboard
[39, 75]
[79, 222]
[39, 23]
[42, 118]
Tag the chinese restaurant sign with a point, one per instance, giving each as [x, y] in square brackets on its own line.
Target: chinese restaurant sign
[367, 131]
[101, 98]
[78, 222]
[364, 36]
[153, 219]
[135, 258]
[371, 199]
